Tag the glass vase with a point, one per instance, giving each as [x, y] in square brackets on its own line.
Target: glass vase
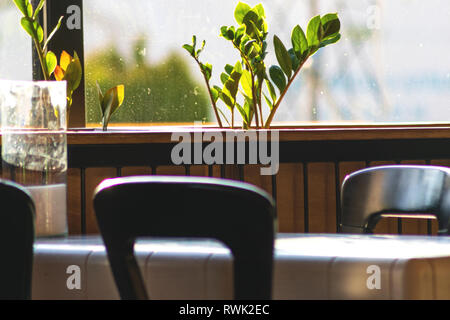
[34, 147]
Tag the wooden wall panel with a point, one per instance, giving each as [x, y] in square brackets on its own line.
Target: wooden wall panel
[345, 168]
[199, 170]
[290, 193]
[74, 200]
[231, 171]
[171, 170]
[321, 197]
[253, 176]
[290, 198]
[136, 171]
[93, 177]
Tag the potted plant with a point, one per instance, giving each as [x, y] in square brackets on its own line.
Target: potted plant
[249, 76]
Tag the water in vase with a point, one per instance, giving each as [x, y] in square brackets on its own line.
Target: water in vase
[37, 159]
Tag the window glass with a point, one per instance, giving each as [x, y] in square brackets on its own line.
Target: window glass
[15, 45]
[391, 64]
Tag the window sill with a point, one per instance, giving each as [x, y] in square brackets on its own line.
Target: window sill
[163, 134]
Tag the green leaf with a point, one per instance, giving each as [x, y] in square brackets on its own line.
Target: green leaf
[253, 24]
[194, 41]
[249, 108]
[277, 76]
[331, 25]
[330, 41]
[223, 30]
[227, 32]
[100, 95]
[22, 6]
[58, 25]
[112, 100]
[207, 70]
[230, 33]
[189, 49]
[29, 9]
[73, 73]
[229, 68]
[215, 94]
[201, 48]
[224, 77]
[39, 31]
[314, 32]
[246, 82]
[269, 103]
[240, 32]
[259, 9]
[38, 9]
[248, 48]
[241, 10]
[224, 96]
[232, 86]
[224, 116]
[299, 43]
[237, 68]
[294, 60]
[271, 89]
[51, 62]
[242, 112]
[27, 24]
[283, 57]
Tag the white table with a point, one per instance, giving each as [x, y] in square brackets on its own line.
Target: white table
[307, 266]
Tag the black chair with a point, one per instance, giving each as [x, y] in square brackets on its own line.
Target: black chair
[398, 190]
[16, 241]
[237, 214]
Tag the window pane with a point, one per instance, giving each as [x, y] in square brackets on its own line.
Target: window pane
[15, 45]
[391, 64]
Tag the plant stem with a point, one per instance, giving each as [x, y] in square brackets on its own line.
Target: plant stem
[260, 103]
[255, 103]
[232, 119]
[41, 58]
[277, 104]
[219, 121]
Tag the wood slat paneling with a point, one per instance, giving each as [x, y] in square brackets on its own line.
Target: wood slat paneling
[252, 175]
[199, 170]
[171, 170]
[93, 177]
[290, 198]
[321, 197]
[74, 200]
[136, 171]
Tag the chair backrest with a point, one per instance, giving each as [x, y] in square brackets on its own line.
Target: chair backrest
[16, 241]
[237, 214]
[401, 190]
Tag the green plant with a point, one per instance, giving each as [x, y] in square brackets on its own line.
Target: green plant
[110, 102]
[70, 67]
[249, 75]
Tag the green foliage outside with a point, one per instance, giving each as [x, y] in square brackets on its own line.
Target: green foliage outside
[164, 92]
